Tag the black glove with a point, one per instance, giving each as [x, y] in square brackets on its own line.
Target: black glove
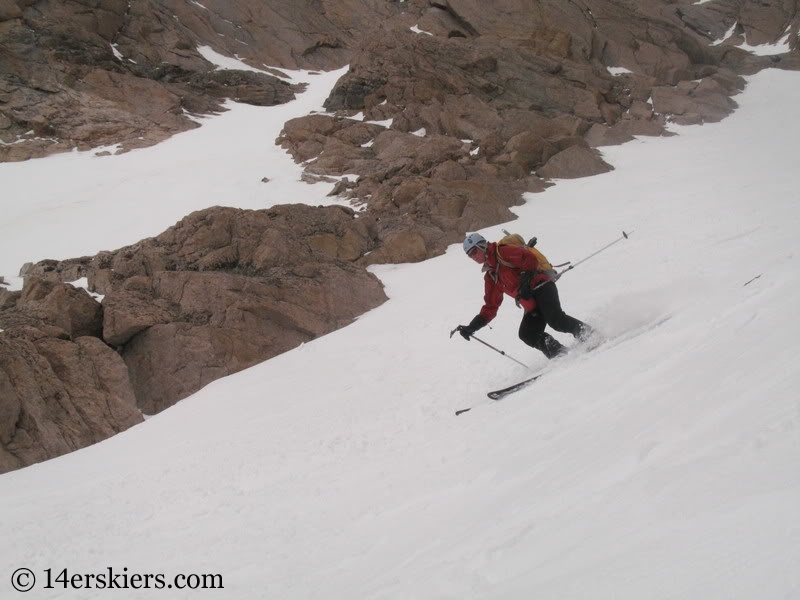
[467, 331]
[525, 290]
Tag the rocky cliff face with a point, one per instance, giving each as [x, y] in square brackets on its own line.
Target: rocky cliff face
[85, 73]
[220, 291]
[61, 387]
[449, 111]
[509, 98]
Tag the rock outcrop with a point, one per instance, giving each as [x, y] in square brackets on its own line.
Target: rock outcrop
[220, 291]
[82, 74]
[59, 394]
[61, 387]
[449, 111]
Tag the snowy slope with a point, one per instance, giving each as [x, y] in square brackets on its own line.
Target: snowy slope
[666, 464]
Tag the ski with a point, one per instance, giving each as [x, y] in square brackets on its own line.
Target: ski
[584, 348]
[502, 393]
[498, 394]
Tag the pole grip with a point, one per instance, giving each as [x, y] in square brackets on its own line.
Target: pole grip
[625, 236]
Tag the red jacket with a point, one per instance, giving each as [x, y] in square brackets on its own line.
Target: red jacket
[499, 278]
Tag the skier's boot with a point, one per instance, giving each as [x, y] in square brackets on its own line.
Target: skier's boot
[551, 347]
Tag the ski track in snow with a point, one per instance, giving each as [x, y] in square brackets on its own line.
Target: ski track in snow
[662, 466]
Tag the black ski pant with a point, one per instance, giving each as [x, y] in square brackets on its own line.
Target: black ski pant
[549, 312]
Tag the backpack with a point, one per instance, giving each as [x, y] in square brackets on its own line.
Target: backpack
[515, 239]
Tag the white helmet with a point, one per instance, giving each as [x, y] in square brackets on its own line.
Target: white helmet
[474, 239]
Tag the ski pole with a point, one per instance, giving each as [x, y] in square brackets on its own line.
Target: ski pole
[570, 267]
[474, 337]
[583, 260]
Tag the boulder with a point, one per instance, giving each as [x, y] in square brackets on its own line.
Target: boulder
[575, 161]
[229, 322]
[624, 131]
[43, 303]
[765, 22]
[59, 395]
[400, 247]
[694, 102]
[9, 9]
[127, 313]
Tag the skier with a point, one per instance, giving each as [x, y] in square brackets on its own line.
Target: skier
[516, 271]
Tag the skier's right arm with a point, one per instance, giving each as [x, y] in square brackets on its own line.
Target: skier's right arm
[492, 298]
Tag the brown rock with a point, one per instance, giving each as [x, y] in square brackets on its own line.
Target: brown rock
[71, 309]
[348, 247]
[603, 135]
[57, 396]
[63, 80]
[8, 299]
[528, 150]
[9, 9]
[449, 170]
[641, 110]
[706, 101]
[765, 22]
[127, 313]
[408, 190]
[575, 161]
[623, 131]
[400, 247]
[66, 83]
[230, 322]
[225, 289]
